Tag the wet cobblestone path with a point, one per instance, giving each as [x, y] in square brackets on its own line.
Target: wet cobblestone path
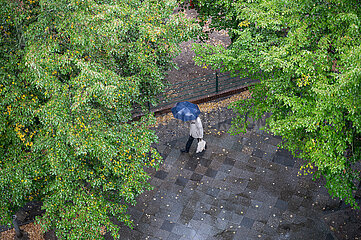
[241, 187]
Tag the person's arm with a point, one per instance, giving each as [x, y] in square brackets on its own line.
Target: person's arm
[200, 127]
[192, 128]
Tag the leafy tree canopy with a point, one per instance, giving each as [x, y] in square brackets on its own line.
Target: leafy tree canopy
[71, 72]
[307, 56]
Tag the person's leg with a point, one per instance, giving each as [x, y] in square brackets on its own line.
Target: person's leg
[188, 144]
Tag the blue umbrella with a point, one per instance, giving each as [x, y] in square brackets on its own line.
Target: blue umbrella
[186, 111]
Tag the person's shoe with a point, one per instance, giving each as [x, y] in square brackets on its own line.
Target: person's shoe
[184, 151]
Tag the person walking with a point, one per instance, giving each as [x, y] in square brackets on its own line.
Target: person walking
[195, 131]
[187, 111]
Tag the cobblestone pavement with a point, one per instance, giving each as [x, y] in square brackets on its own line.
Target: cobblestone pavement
[241, 187]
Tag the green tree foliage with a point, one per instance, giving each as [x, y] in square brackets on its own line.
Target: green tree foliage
[71, 72]
[307, 56]
[222, 12]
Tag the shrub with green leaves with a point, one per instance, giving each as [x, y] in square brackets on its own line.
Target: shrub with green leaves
[307, 56]
[71, 72]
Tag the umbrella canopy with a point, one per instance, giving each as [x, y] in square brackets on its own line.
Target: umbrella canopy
[186, 111]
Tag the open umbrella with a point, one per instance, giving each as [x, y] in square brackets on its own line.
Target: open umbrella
[186, 111]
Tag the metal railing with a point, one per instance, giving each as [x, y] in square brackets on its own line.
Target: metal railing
[197, 88]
